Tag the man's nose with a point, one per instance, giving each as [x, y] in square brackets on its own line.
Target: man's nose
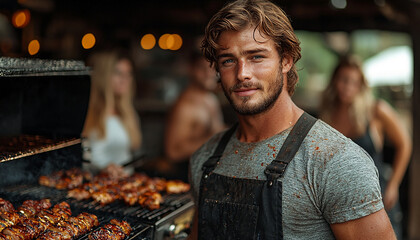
[244, 71]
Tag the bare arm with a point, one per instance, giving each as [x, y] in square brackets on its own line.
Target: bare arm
[396, 132]
[371, 227]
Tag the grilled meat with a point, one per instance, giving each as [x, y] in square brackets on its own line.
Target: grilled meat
[65, 179]
[150, 200]
[79, 194]
[176, 186]
[113, 230]
[6, 206]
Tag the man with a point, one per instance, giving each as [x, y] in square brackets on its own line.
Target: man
[280, 174]
[194, 118]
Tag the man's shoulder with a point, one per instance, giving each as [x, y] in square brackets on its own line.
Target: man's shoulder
[330, 143]
[208, 147]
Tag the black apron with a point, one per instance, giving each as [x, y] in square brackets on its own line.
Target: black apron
[235, 208]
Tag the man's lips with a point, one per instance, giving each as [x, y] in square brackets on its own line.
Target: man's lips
[243, 92]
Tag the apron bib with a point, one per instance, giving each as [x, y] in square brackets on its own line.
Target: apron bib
[236, 208]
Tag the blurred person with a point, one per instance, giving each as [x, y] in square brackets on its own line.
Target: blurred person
[195, 116]
[279, 173]
[349, 106]
[112, 127]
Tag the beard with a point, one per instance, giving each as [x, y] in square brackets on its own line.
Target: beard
[244, 107]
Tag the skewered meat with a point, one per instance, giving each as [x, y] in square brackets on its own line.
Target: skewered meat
[113, 230]
[47, 223]
[30, 227]
[176, 186]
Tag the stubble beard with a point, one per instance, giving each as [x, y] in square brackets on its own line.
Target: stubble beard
[244, 108]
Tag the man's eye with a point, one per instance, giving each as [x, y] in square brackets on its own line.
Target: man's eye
[227, 61]
[257, 57]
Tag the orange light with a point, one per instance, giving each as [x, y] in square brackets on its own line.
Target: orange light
[88, 41]
[33, 47]
[177, 42]
[21, 18]
[148, 41]
[163, 41]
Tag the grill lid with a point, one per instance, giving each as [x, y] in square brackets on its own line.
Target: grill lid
[43, 97]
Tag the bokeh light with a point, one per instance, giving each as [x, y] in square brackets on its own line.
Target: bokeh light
[88, 41]
[33, 47]
[177, 42]
[163, 41]
[148, 41]
[21, 18]
[170, 41]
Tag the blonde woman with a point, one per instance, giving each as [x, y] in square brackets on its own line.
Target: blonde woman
[112, 125]
[349, 107]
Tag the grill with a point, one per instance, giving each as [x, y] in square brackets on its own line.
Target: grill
[43, 104]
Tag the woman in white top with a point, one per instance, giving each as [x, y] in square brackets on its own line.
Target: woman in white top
[112, 126]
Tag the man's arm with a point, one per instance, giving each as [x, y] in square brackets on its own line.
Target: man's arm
[373, 226]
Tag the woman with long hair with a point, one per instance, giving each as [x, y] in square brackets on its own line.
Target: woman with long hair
[112, 126]
[349, 106]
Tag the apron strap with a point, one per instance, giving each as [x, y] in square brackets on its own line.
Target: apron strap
[291, 145]
[211, 163]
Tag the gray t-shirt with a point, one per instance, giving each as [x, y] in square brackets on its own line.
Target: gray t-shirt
[330, 180]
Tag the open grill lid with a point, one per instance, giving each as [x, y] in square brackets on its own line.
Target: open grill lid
[43, 97]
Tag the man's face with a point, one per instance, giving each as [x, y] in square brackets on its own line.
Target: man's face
[250, 70]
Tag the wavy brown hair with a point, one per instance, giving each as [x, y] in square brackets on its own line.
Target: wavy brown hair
[361, 109]
[266, 17]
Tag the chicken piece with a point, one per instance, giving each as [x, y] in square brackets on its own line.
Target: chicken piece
[176, 186]
[125, 226]
[113, 230]
[49, 235]
[90, 218]
[62, 209]
[49, 216]
[157, 184]
[61, 232]
[51, 180]
[150, 200]
[27, 229]
[8, 219]
[104, 197]
[130, 197]
[68, 227]
[72, 223]
[81, 226]
[6, 206]
[79, 194]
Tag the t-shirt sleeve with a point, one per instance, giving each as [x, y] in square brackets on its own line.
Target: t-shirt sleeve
[351, 185]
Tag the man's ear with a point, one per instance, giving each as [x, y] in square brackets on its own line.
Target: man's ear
[286, 63]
